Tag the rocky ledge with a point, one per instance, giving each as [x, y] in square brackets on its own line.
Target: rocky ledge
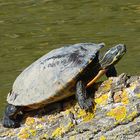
[114, 116]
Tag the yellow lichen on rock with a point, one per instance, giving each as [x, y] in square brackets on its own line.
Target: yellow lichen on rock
[133, 86]
[119, 113]
[102, 138]
[70, 125]
[107, 85]
[80, 113]
[67, 112]
[32, 132]
[51, 118]
[57, 132]
[24, 134]
[124, 97]
[102, 100]
[43, 137]
[138, 95]
[70, 110]
[39, 126]
[29, 121]
[85, 115]
[132, 115]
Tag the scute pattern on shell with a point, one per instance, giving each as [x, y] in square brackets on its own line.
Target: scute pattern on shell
[51, 77]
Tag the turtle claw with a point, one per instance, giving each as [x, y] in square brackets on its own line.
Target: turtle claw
[11, 117]
[86, 104]
[9, 123]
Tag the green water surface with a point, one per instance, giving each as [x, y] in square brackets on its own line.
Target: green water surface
[31, 28]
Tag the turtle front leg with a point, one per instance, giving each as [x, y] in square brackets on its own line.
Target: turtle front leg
[111, 72]
[81, 95]
[10, 119]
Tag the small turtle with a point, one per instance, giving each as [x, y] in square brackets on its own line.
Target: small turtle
[59, 74]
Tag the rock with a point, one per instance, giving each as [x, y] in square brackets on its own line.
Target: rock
[115, 115]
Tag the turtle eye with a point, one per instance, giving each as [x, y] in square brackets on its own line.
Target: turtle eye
[121, 48]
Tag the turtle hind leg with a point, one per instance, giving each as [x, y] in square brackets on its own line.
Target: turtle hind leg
[10, 119]
[81, 95]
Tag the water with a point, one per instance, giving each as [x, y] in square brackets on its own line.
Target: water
[31, 28]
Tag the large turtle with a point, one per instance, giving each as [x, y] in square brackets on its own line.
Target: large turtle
[59, 74]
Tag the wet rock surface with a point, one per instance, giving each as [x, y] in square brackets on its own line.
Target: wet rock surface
[115, 115]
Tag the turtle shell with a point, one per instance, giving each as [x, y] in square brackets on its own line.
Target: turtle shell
[52, 77]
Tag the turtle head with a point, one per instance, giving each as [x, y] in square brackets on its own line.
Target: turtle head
[112, 56]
